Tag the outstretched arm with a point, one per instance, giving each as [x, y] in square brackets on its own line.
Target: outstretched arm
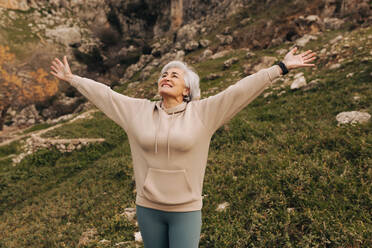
[120, 108]
[220, 108]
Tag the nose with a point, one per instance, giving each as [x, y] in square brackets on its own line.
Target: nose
[166, 78]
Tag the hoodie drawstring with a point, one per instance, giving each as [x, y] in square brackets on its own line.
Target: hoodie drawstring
[183, 106]
[170, 126]
[156, 134]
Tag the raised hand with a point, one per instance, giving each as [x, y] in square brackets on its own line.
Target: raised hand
[61, 70]
[292, 61]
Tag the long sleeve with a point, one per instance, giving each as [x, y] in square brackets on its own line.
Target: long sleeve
[216, 110]
[118, 107]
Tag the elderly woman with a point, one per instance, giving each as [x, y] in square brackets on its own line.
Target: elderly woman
[169, 140]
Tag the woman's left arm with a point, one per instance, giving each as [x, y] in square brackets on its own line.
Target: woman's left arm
[220, 108]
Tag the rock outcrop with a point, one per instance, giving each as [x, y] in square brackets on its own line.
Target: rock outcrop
[11, 4]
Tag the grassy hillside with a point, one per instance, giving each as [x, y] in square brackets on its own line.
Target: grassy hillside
[292, 176]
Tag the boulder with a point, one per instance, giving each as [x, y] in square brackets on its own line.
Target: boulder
[245, 21]
[265, 62]
[312, 22]
[225, 39]
[27, 116]
[187, 33]
[104, 242]
[312, 85]
[305, 39]
[220, 54]
[298, 83]
[222, 207]
[138, 237]
[205, 54]
[133, 68]
[228, 63]
[64, 35]
[333, 23]
[336, 39]
[160, 48]
[191, 45]
[204, 42]
[213, 76]
[334, 66]
[352, 117]
[129, 213]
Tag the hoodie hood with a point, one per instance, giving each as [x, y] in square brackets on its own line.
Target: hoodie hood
[170, 111]
[179, 108]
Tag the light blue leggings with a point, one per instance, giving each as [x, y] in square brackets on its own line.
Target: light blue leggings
[163, 229]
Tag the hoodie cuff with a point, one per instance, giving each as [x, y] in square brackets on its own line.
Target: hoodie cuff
[274, 72]
[73, 80]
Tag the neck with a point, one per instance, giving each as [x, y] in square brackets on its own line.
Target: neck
[170, 102]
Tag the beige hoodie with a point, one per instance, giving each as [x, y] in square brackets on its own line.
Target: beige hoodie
[169, 147]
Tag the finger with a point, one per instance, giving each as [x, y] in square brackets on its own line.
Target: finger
[65, 60]
[310, 55]
[306, 53]
[293, 50]
[59, 62]
[54, 73]
[308, 65]
[66, 63]
[55, 63]
[57, 66]
[308, 60]
[54, 68]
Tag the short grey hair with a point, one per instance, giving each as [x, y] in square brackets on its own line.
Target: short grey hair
[191, 78]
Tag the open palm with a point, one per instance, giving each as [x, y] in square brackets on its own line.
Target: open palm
[300, 60]
[61, 70]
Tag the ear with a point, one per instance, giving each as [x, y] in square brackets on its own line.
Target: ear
[186, 91]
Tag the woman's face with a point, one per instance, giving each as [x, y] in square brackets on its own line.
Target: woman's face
[172, 84]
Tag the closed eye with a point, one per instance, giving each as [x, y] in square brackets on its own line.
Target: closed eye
[175, 74]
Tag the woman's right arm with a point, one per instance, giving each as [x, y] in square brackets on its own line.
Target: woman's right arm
[118, 107]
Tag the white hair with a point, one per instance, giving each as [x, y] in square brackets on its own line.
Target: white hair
[190, 77]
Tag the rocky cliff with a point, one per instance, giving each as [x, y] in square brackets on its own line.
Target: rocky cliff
[112, 41]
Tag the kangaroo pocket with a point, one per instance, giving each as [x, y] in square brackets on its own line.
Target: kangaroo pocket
[168, 186]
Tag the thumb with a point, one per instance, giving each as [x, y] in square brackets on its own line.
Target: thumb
[294, 50]
[65, 59]
[66, 63]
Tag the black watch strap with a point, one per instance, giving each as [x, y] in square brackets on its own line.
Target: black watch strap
[283, 67]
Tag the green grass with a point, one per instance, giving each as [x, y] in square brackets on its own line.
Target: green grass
[82, 128]
[301, 180]
[11, 148]
[37, 127]
[42, 126]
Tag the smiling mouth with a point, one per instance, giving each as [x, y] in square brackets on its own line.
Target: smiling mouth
[166, 85]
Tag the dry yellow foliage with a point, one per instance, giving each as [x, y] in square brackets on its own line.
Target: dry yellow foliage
[15, 91]
[5, 56]
[44, 87]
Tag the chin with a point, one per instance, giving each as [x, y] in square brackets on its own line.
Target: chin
[165, 92]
